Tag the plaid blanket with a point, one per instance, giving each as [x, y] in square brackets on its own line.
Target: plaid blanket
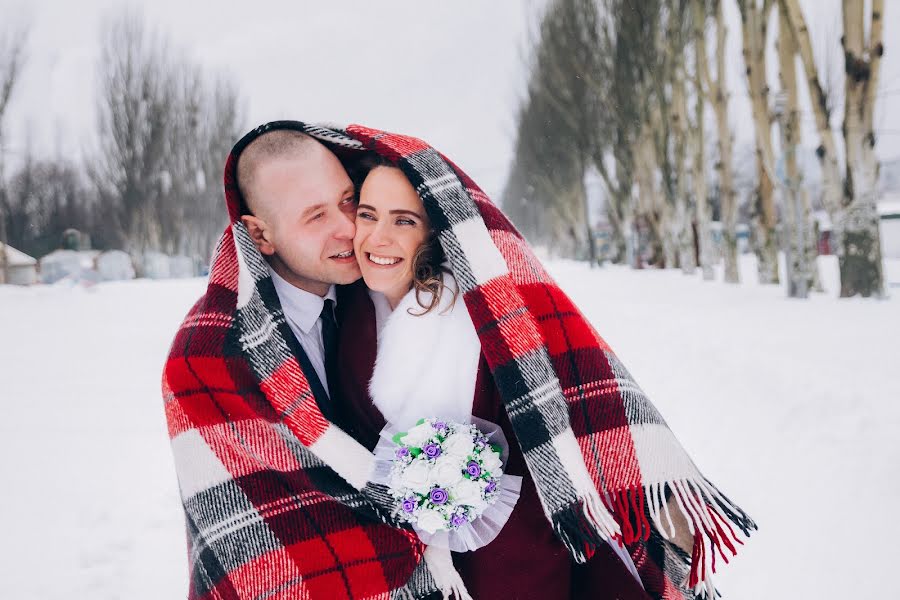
[278, 500]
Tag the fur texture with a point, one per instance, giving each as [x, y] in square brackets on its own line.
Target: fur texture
[427, 363]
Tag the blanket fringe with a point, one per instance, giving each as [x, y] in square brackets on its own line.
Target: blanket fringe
[448, 579]
[584, 525]
[712, 520]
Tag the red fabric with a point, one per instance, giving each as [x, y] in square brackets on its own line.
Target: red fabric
[527, 560]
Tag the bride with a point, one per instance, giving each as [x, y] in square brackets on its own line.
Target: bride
[408, 349]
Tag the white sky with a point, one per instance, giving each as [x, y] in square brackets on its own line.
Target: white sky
[448, 72]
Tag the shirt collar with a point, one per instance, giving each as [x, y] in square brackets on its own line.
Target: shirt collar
[300, 306]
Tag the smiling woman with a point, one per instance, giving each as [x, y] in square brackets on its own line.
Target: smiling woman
[395, 243]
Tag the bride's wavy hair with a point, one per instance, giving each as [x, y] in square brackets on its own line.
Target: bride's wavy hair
[428, 261]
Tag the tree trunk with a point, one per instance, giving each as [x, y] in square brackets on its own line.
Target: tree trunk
[795, 219]
[649, 202]
[727, 198]
[860, 244]
[754, 22]
[681, 233]
[589, 227]
[702, 85]
[827, 150]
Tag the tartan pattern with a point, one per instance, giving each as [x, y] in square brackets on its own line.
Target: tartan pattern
[602, 457]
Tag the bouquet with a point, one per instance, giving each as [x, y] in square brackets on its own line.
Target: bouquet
[447, 480]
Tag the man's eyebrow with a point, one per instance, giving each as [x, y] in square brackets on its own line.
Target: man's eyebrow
[312, 209]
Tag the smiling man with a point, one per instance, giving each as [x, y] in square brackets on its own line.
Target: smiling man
[299, 205]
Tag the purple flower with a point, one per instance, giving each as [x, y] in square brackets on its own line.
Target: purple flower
[439, 495]
[458, 519]
[432, 450]
[409, 505]
[491, 486]
[473, 469]
[439, 425]
[402, 452]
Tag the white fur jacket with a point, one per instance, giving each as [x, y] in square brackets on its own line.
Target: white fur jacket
[426, 365]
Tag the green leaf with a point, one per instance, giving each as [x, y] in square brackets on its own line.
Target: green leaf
[415, 451]
[399, 436]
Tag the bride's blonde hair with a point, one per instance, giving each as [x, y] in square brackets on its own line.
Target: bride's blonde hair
[428, 262]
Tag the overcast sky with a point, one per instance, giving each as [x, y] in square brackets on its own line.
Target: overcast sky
[448, 72]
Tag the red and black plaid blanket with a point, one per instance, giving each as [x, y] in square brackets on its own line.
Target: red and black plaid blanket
[278, 501]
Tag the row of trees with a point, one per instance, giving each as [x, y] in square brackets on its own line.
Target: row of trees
[152, 183]
[624, 87]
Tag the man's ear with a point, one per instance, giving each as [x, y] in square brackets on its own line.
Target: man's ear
[259, 233]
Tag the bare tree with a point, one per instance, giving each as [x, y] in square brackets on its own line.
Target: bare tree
[754, 26]
[850, 199]
[555, 128]
[134, 116]
[12, 59]
[702, 85]
[165, 129]
[718, 95]
[799, 229]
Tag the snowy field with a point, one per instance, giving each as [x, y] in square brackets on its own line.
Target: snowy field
[792, 407]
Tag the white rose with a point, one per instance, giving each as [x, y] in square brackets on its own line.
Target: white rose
[418, 435]
[417, 476]
[459, 445]
[469, 492]
[491, 461]
[447, 471]
[430, 520]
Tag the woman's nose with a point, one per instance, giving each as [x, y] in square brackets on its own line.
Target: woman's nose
[379, 237]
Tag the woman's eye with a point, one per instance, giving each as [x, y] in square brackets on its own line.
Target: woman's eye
[405, 222]
[346, 201]
[366, 216]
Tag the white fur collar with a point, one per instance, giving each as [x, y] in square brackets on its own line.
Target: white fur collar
[426, 365]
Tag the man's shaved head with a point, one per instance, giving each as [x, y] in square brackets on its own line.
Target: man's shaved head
[278, 144]
[299, 209]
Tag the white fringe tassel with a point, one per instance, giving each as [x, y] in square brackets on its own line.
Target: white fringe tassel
[440, 563]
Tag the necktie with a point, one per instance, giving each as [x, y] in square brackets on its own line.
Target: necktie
[329, 340]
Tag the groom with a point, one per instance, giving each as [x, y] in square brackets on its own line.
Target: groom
[257, 521]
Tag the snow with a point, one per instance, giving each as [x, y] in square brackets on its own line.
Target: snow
[789, 406]
[889, 208]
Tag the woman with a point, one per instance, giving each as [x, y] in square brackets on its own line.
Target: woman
[410, 350]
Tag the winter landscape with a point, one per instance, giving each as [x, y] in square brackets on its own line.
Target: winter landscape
[788, 405]
[730, 169]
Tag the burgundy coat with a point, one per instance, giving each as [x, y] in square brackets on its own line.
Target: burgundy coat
[526, 560]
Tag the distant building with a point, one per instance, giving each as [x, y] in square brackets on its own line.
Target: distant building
[21, 269]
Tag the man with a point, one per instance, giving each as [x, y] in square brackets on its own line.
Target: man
[300, 211]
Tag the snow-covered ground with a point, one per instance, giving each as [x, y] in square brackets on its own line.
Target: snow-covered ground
[792, 407]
